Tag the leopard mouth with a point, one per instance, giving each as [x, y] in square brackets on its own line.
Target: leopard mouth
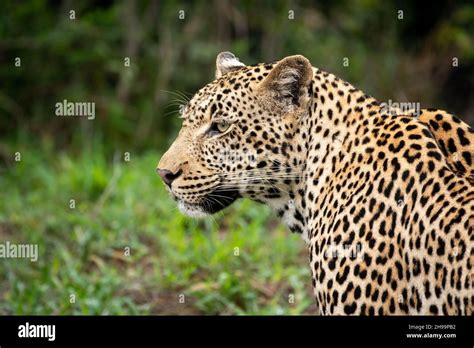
[210, 204]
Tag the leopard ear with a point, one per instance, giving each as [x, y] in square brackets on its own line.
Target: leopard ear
[226, 62]
[289, 79]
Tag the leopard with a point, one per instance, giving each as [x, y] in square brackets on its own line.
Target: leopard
[383, 200]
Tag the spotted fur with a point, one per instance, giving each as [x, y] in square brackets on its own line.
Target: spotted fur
[385, 202]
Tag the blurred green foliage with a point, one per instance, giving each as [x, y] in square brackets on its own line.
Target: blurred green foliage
[240, 262]
[402, 56]
[392, 55]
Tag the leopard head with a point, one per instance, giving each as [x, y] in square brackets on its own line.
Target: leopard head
[237, 136]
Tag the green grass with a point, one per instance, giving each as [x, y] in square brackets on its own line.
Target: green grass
[240, 261]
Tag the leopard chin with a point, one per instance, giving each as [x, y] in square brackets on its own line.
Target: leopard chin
[211, 203]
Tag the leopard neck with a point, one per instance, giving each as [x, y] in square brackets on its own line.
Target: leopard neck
[336, 115]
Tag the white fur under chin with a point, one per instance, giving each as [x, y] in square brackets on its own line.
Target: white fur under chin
[305, 237]
[192, 210]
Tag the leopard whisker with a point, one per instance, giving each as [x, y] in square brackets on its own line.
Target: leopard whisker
[179, 94]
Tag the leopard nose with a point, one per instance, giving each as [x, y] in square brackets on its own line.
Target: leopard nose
[168, 176]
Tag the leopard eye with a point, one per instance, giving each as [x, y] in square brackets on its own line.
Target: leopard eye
[219, 127]
[223, 126]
